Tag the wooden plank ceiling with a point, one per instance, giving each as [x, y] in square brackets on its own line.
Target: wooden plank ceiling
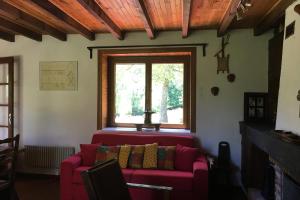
[34, 18]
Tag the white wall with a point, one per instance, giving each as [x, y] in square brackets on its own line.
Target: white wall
[288, 107]
[69, 117]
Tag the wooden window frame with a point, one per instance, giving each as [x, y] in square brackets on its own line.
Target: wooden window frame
[156, 55]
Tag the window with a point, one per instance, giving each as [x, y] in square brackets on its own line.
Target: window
[160, 82]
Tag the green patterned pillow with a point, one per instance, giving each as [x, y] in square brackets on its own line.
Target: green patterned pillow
[136, 156]
[105, 153]
[166, 157]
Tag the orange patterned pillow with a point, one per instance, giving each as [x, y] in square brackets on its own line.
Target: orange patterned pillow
[136, 156]
[150, 156]
[124, 155]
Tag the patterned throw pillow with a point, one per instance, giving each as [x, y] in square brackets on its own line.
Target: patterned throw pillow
[136, 156]
[166, 157]
[150, 156]
[124, 155]
[105, 153]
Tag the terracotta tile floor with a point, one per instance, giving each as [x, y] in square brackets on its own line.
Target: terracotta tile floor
[33, 187]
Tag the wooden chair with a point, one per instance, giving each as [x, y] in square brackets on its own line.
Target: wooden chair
[105, 181]
[8, 157]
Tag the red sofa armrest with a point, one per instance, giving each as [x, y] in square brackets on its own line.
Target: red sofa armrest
[200, 182]
[66, 174]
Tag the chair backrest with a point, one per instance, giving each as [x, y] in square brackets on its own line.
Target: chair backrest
[105, 182]
[8, 157]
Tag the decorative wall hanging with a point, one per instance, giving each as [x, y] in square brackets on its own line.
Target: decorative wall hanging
[298, 99]
[297, 9]
[231, 78]
[290, 30]
[215, 91]
[61, 75]
[255, 107]
[223, 61]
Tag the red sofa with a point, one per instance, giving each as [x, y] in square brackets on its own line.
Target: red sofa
[186, 185]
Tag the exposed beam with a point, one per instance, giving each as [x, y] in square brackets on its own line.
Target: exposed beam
[142, 9]
[20, 30]
[272, 16]
[7, 36]
[47, 5]
[94, 9]
[52, 12]
[28, 21]
[186, 13]
[228, 17]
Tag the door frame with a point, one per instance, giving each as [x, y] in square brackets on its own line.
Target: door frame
[10, 62]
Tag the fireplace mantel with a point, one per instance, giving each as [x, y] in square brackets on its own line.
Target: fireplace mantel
[262, 136]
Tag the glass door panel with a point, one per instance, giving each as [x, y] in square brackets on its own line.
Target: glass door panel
[3, 73]
[4, 116]
[130, 92]
[3, 133]
[4, 94]
[167, 93]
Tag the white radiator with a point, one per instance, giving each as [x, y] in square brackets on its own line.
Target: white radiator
[45, 159]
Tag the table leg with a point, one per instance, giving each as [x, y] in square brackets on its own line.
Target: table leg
[166, 195]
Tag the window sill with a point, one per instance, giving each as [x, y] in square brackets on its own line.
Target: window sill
[150, 130]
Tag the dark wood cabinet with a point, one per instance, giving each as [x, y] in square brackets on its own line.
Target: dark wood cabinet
[254, 162]
[275, 58]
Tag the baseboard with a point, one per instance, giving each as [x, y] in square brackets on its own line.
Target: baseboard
[39, 171]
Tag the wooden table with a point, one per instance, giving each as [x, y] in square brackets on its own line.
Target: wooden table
[166, 190]
[140, 126]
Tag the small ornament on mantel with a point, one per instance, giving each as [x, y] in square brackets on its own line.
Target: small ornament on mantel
[297, 8]
[223, 61]
[231, 78]
[215, 91]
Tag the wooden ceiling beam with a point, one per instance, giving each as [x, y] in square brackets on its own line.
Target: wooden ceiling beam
[142, 9]
[22, 18]
[7, 36]
[94, 9]
[5, 24]
[228, 17]
[277, 11]
[186, 13]
[52, 11]
[50, 7]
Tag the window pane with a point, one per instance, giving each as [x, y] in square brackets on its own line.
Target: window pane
[167, 93]
[4, 115]
[3, 73]
[130, 93]
[3, 94]
[3, 133]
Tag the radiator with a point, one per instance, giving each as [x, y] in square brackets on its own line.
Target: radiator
[45, 159]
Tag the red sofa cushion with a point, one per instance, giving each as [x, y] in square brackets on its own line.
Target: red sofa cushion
[127, 174]
[76, 174]
[113, 138]
[179, 180]
[88, 153]
[185, 157]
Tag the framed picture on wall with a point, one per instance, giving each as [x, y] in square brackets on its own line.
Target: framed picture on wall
[255, 106]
